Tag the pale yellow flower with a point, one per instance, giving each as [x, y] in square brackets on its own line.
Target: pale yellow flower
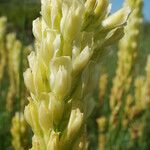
[66, 44]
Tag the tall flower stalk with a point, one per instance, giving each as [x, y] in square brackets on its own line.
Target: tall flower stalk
[128, 47]
[70, 40]
[19, 132]
[137, 110]
[13, 47]
[124, 108]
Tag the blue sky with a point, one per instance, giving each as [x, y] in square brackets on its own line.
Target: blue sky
[146, 11]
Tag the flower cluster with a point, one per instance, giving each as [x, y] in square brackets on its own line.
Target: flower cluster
[71, 37]
[19, 132]
[128, 47]
[13, 47]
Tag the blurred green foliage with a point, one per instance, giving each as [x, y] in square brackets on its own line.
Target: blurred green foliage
[20, 14]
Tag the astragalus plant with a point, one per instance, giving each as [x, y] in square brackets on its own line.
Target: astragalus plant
[19, 132]
[123, 108]
[13, 47]
[70, 38]
[128, 49]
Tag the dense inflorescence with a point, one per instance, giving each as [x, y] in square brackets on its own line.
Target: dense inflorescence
[71, 37]
[13, 47]
[19, 132]
[125, 109]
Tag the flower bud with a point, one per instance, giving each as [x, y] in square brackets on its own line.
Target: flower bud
[71, 24]
[56, 45]
[39, 73]
[101, 7]
[28, 116]
[82, 59]
[75, 123]
[56, 108]
[60, 76]
[45, 118]
[46, 11]
[31, 116]
[37, 29]
[117, 19]
[56, 14]
[62, 82]
[28, 79]
[40, 76]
